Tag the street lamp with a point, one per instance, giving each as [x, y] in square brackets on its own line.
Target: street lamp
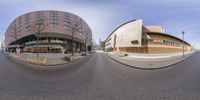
[183, 44]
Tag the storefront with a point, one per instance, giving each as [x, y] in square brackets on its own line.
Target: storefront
[44, 49]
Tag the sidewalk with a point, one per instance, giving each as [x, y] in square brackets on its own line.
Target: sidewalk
[142, 61]
[46, 58]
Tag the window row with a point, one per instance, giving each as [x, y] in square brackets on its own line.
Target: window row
[54, 20]
[160, 41]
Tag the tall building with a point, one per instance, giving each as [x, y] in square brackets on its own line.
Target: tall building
[102, 45]
[134, 37]
[2, 44]
[57, 30]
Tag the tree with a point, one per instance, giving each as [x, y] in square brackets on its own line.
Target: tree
[75, 28]
[72, 44]
[38, 26]
[86, 39]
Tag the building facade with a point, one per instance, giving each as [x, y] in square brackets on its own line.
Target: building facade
[55, 31]
[133, 37]
[2, 44]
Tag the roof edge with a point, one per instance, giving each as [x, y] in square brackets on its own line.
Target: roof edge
[122, 25]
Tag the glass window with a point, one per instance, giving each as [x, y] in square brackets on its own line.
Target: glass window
[53, 18]
[27, 22]
[39, 17]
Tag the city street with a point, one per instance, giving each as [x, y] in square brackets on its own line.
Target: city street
[99, 77]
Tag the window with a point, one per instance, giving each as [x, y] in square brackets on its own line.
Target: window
[19, 30]
[155, 40]
[80, 25]
[150, 40]
[172, 43]
[135, 42]
[39, 17]
[27, 22]
[109, 39]
[161, 41]
[164, 41]
[19, 22]
[144, 40]
[53, 18]
[66, 24]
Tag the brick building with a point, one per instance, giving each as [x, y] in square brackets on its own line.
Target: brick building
[56, 32]
[133, 37]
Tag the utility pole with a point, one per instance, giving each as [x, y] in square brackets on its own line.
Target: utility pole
[183, 44]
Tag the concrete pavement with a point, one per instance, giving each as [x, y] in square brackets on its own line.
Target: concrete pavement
[99, 78]
[50, 59]
[148, 62]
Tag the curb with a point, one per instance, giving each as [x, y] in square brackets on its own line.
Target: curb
[41, 64]
[152, 68]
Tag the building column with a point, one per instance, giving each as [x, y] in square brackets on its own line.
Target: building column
[79, 47]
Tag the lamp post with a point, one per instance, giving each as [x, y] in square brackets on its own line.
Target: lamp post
[183, 44]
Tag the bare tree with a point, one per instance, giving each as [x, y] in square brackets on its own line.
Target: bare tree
[75, 28]
[38, 26]
[72, 44]
[86, 39]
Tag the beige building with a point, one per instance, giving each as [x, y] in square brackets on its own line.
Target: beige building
[133, 37]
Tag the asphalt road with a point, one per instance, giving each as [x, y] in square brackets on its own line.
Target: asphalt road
[98, 77]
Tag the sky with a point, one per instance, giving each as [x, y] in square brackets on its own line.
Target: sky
[104, 16]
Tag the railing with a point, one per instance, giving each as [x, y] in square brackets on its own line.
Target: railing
[31, 42]
[34, 42]
[56, 41]
[44, 41]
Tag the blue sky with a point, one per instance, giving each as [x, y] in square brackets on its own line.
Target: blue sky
[103, 16]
